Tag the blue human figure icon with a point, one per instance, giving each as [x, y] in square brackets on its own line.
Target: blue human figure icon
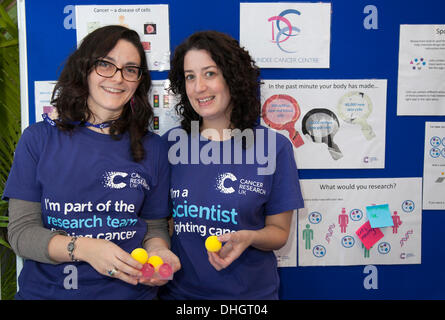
[308, 235]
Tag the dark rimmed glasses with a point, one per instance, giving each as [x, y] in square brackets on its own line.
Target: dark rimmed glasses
[108, 69]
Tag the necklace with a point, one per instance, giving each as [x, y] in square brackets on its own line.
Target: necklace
[102, 125]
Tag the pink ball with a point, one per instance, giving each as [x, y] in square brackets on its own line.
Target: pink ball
[165, 271]
[147, 270]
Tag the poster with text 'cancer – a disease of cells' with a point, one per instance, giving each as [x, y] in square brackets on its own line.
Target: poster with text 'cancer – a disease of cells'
[421, 78]
[335, 227]
[287, 35]
[149, 21]
[434, 166]
[331, 123]
[163, 103]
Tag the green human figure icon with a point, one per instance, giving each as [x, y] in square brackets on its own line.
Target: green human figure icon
[366, 251]
[308, 235]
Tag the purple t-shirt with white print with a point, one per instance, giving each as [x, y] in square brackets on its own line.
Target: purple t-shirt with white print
[216, 187]
[88, 185]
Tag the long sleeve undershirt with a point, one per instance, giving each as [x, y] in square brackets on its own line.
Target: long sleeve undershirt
[29, 238]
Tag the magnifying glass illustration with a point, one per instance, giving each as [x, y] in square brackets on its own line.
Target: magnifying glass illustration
[322, 125]
[355, 107]
[280, 112]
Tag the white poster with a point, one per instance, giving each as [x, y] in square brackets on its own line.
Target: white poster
[149, 21]
[329, 227]
[434, 166]
[43, 91]
[163, 103]
[331, 123]
[421, 79]
[287, 35]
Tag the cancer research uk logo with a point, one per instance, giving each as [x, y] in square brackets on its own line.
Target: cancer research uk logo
[220, 180]
[227, 182]
[283, 32]
[120, 180]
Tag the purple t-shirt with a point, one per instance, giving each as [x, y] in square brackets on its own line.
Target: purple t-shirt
[216, 188]
[88, 185]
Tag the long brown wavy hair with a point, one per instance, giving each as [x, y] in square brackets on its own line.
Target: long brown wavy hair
[71, 91]
[239, 71]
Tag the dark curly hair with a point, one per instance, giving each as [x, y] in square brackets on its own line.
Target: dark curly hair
[71, 91]
[239, 71]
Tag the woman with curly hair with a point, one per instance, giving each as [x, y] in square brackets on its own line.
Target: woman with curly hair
[83, 188]
[216, 186]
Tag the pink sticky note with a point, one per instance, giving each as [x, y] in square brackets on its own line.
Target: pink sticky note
[368, 235]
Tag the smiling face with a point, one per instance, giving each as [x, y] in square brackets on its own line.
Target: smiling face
[207, 89]
[107, 96]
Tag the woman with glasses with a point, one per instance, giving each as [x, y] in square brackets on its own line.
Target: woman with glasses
[87, 189]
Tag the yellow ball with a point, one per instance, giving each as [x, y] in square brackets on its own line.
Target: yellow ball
[156, 262]
[213, 244]
[140, 255]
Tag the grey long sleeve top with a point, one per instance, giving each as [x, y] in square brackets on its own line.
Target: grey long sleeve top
[29, 238]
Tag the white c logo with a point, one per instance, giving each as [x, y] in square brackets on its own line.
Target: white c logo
[220, 182]
[109, 180]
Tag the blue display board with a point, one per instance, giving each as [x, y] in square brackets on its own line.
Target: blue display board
[357, 51]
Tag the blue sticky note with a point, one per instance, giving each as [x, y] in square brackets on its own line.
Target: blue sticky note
[379, 216]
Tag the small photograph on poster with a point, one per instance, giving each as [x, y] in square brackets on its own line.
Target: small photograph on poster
[287, 35]
[149, 21]
[43, 91]
[421, 78]
[434, 166]
[342, 122]
[336, 228]
[163, 103]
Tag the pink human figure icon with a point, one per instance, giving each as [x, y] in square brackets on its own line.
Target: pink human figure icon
[343, 220]
[396, 222]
